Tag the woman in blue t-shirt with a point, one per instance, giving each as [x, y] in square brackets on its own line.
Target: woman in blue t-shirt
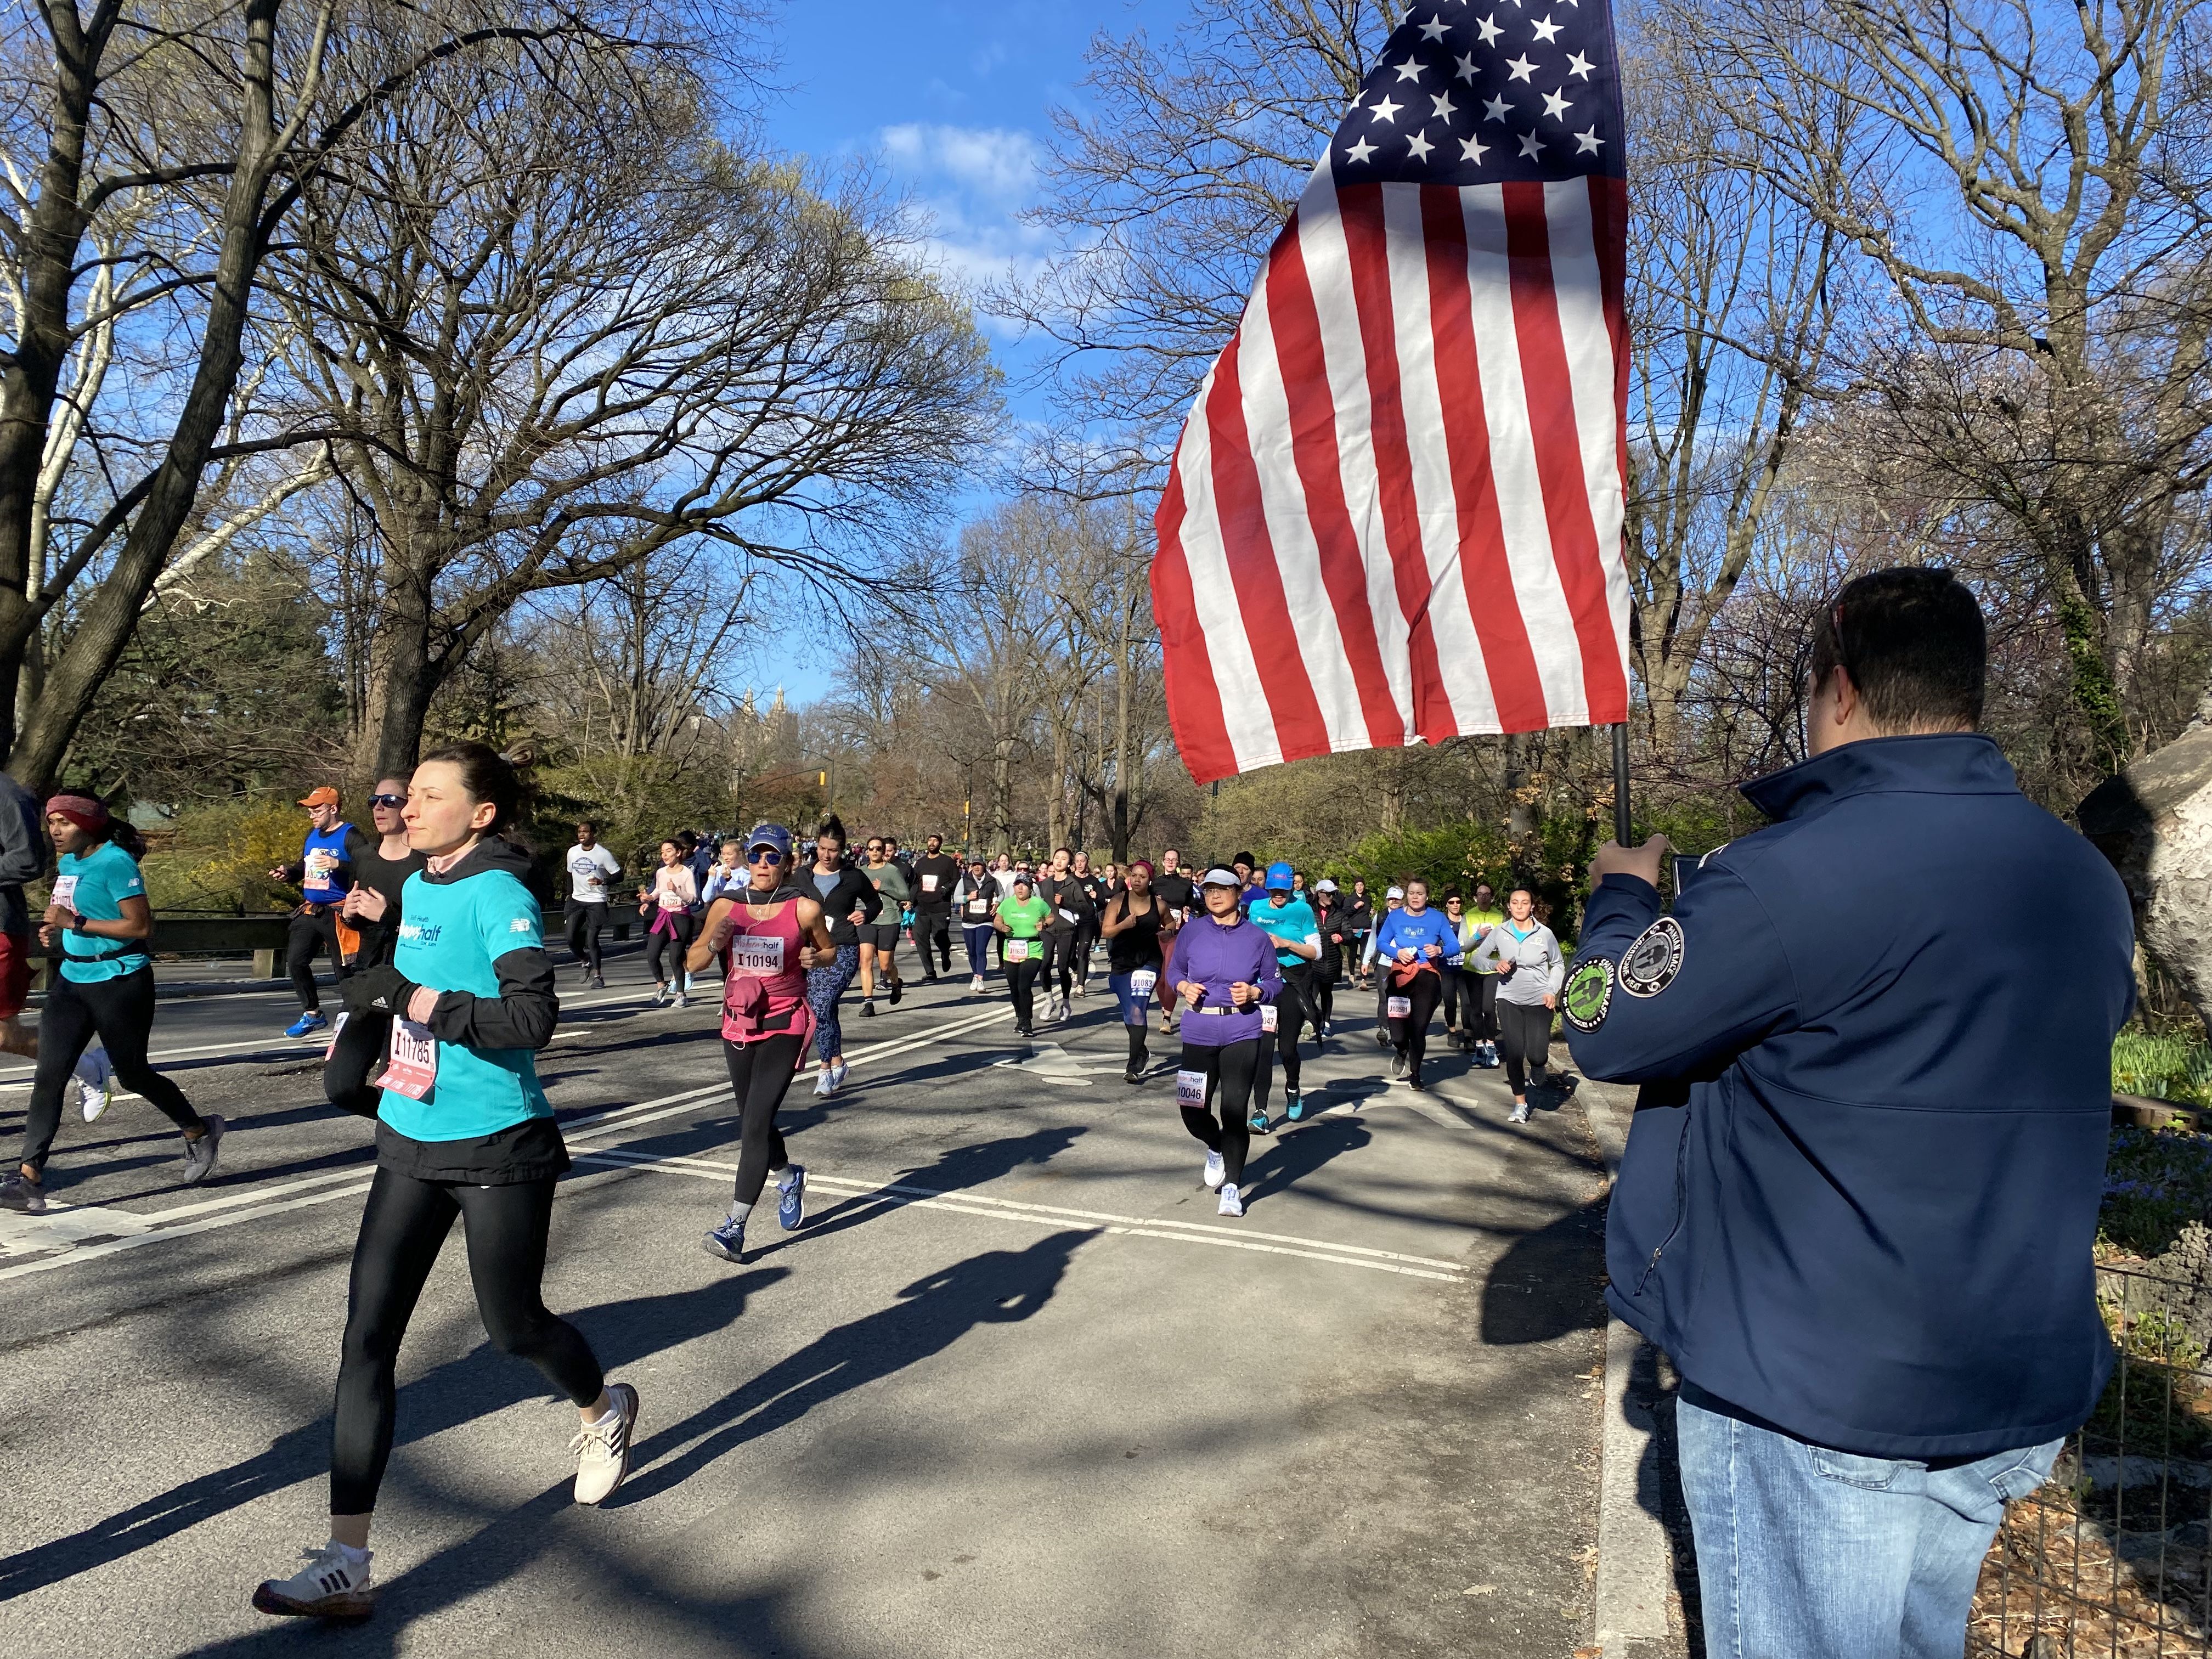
[99, 915]
[464, 1130]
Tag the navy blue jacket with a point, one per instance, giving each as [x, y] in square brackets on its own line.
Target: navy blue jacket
[1861, 1188]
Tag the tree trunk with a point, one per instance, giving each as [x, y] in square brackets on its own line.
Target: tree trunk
[399, 682]
[1002, 796]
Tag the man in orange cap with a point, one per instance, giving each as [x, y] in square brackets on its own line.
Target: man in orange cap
[322, 872]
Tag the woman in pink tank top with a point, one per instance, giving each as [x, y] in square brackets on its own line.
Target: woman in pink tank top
[767, 936]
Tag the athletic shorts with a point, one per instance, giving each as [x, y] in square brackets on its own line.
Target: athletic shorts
[884, 936]
[14, 973]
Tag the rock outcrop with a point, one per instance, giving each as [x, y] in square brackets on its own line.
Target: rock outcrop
[2154, 822]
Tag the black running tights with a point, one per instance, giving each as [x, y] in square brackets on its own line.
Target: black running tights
[1321, 992]
[1233, 1067]
[1524, 1034]
[356, 1052]
[759, 1073]
[1062, 962]
[674, 947]
[121, 1013]
[1411, 1033]
[401, 1229]
[1022, 978]
[309, 934]
[1290, 1025]
[584, 918]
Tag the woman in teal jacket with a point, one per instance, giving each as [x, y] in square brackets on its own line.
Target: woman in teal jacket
[463, 1129]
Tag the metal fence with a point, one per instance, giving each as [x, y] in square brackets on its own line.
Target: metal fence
[2110, 1556]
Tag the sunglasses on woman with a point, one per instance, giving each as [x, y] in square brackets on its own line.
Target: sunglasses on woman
[763, 855]
[387, 800]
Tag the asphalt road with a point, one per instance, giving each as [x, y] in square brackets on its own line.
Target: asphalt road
[1014, 1389]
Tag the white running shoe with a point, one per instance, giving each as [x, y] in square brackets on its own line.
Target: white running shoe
[602, 1449]
[1230, 1203]
[1519, 1114]
[977, 984]
[1215, 1170]
[95, 1081]
[838, 1073]
[683, 999]
[334, 1584]
[821, 1082]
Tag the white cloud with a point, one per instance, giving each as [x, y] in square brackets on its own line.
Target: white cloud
[968, 186]
[991, 161]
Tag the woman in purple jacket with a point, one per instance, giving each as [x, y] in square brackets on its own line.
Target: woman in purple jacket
[1223, 970]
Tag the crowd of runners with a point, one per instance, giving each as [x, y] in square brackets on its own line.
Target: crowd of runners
[448, 990]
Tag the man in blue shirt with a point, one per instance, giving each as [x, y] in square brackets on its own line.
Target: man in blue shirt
[322, 872]
[1861, 1186]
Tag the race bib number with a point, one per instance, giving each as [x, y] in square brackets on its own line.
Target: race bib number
[338, 1026]
[928, 883]
[1190, 1091]
[1142, 981]
[65, 892]
[1268, 1017]
[1400, 1007]
[1017, 950]
[413, 1067]
[760, 954]
[321, 862]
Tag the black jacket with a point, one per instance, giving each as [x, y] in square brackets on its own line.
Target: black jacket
[852, 888]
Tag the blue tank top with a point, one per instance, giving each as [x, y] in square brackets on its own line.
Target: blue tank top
[322, 853]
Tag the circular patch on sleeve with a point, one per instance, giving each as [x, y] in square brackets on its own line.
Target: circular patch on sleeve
[1588, 995]
[1648, 966]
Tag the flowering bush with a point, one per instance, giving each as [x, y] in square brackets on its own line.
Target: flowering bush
[2156, 1182]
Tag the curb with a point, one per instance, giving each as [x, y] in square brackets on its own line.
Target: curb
[1635, 1566]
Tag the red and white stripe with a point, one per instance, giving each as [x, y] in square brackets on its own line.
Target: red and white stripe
[1395, 510]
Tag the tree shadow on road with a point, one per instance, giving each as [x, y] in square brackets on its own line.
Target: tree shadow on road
[1549, 1282]
[480, 1382]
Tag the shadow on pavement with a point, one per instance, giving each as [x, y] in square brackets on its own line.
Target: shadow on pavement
[480, 1382]
[1541, 1287]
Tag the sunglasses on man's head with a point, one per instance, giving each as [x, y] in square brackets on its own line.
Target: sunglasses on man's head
[387, 800]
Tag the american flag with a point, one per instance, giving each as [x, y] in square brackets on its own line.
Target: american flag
[1395, 509]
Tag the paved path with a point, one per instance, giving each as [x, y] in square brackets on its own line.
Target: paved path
[1014, 1390]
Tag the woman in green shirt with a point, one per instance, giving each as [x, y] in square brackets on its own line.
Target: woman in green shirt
[1021, 917]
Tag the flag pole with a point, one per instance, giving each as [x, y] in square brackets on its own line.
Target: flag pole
[1620, 824]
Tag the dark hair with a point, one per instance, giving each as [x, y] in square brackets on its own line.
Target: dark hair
[588, 824]
[1913, 641]
[487, 774]
[834, 825]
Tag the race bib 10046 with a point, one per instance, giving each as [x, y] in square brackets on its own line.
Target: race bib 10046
[1190, 1091]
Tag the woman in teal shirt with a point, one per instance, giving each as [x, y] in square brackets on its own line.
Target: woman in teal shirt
[464, 1130]
[106, 987]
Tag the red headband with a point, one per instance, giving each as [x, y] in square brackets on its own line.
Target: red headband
[82, 810]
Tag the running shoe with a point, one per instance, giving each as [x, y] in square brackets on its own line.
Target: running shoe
[1258, 1121]
[1294, 1105]
[1132, 1074]
[660, 996]
[1216, 1170]
[1083, 987]
[94, 1080]
[1024, 1031]
[1398, 1064]
[22, 1195]
[683, 999]
[598, 982]
[899, 990]
[821, 1082]
[1382, 1038]
[1231, 1203]
[791, 1199]
[975, 985]
[334, 1584]
[199, 1155]
[1415, 1084]
[307, 1025]
[867, 1011]
[838, 1073]
[1519, 1114]
[602, 1449]
[728, 1239]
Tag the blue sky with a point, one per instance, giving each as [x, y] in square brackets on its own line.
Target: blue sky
[951, 101]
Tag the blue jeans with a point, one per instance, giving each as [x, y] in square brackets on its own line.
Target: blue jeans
[1808, 1554]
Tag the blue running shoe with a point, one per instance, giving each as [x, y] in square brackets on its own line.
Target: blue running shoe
[1294, 1108]
[306, 1025]
[791, 1199]
[1258, 1121]
[728, 1239]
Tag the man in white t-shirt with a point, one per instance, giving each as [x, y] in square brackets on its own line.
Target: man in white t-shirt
[591, 872]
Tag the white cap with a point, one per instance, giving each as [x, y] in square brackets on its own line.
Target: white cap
[1395, 892]
[1217, 877]
[1324, 886]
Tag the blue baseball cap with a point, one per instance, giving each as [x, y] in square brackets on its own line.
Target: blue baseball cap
[771, 834]
[1279, 874]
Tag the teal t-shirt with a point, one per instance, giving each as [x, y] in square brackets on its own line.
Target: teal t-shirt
[1294, 922]
[450, 935]
[94, 885]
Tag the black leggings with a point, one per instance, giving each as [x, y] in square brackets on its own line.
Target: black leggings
[1411, 1033]
[1061, 958]
[1525, 1035]
[1022, 977]
[659, 943]
[1321, 991]
[1291, 1008]
[310, 932]
[760, 1073]
[1484, 989]
[121, 1013]
[1231, 1067]
[401, 1228]
[584, 918]
[355, 1054]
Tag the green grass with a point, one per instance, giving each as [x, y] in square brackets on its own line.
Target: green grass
[2163, 1067]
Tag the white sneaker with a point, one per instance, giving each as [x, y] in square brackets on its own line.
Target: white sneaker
[602, 1449]
[838, 1073]
[1215, 1170]
[1519, 1114]
[95, 1079]
[1230, 1203]
[683, 999]
[821, 1082]
[977, 983]
[334, 1584]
